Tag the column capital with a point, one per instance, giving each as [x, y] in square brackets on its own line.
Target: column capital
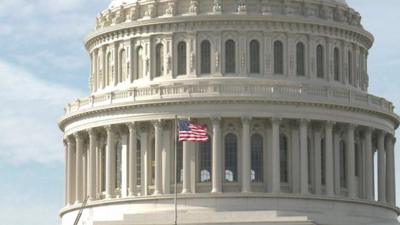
[109, 128]
[368, 130]
[329, 124]
[92, 133]
[78, 137]
[304, 121]
[131, 126]
[157, 124]
[246, 119]
[351, 126]
[380, 132]
[215, 120]
[276, 120]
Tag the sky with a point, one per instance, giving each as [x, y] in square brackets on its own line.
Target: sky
[43, 66]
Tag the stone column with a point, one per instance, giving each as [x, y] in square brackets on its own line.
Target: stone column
[144, 161]
[369, 168]
[124, 165]
[71, 170]
[92, 164]
[317, 163]
[329, 168]
[132, 159]
[246, 155]
[216, 156]
[390, 170]
[66, 172]
[381, 167]
[336, 154]
[166, 159]
[304, 157]
[351, 187]
[295, 157]
[110, 162]
[276, 179]
[186, 167]
[79, 171]
[158, 156]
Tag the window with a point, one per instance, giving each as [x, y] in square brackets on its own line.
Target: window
[205, 60]
[300, 59]
[179, 162]
[278, 57]
[283, 144]
[181, 58]
[336, 65]
[231, 158]
[118, 167]
[230, 56]
[343, 165]
[109, 69]
[257, 167]
[139, 62]
[254, 56]
[350, 67]
[320, 61]
[123, 68]
[138, 163]
[205, 161]
[159, 60]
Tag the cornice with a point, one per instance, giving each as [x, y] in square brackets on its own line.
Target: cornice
[271, 23]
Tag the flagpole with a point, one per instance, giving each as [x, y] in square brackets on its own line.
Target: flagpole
[175, 179]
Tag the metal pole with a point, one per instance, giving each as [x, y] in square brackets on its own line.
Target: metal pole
[175, 179]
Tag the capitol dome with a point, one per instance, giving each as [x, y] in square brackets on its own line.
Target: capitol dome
[294, 137]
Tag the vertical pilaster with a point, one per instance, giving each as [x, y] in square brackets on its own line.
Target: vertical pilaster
[186, 151]
[246, 155]
[66, 172]
[110, 162]
[317, 163]
[304, 157]
[79, 171]
[390, 170]
[71, 170]
[295, 157]
[329, 159]
[132, 158]
[166, 159]
[216, 156]
[144, 154]
[158, 157]
[92, 164]
[124, 165]
[351, 184]
[336, 141]
[381, 167]
[369, 168]
[276, 180]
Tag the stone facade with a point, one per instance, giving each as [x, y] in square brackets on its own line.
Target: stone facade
[282, 87]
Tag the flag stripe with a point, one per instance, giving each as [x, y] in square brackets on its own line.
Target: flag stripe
[191, 132]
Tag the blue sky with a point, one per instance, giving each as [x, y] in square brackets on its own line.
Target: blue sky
[43, 66]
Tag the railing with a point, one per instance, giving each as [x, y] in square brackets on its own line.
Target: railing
[299, 93]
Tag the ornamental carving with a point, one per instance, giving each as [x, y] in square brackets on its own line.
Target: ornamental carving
[242, 7]
[170, 11]
[217, 7]
[150, 11]
[193, 8]
[133, 14]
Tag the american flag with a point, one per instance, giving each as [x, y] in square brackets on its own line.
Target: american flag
[191, 132]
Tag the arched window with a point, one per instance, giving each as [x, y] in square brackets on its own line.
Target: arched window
[283, 144]
[109, 69]
[254, 56]
[205, 60]
[179, 162]
[257, 167]
[231, 158]
[320, 61]
[138, 163]
[159, 60]
[182, 58]
[278, 57]
[343, 165]
[139, 63]
[350, 66]
[336, 65]
[118, 163]
[230, 57]
[123, 68]
[205, 161]
[300, 59]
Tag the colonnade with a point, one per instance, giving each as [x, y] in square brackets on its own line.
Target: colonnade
[316, 165]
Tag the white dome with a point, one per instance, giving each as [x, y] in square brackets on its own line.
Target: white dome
[118, 3]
